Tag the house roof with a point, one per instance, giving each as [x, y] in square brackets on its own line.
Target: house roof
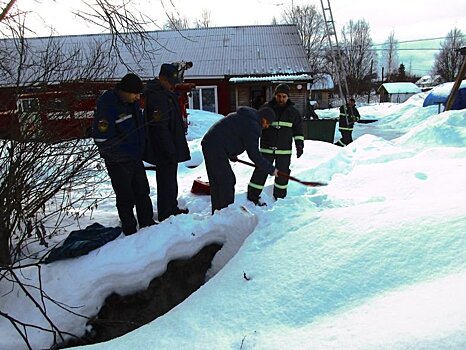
[241, 51]
[274, 78]
[400, 88]
[428, 80]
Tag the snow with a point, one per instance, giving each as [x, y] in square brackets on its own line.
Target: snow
[428, 80]
[401, 88]
[291, 78]
[374, 260]
[445, 88]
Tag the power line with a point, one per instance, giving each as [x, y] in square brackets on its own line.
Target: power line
[418, 49]
[420, 40]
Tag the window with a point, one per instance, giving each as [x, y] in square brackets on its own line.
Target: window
[57, 108]
[28, 105]
[29, 117]
[204, 98]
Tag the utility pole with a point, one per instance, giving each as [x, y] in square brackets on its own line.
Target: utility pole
[459, 78]
[370, 83]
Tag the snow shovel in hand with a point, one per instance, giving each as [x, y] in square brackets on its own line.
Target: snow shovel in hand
[289, 177]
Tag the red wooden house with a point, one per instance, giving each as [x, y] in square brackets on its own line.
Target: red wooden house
[231, 67]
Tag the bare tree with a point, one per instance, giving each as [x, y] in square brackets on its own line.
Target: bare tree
[126, 25]
[358, 55]
[204, 21]
[176, 22]
[311, 29]
[44, 181]
[34, 169]
[390, 55]
[448, 61]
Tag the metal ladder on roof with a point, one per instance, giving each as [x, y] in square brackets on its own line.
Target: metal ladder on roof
[331, 33]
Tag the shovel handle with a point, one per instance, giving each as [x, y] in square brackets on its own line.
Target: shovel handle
[289, 177]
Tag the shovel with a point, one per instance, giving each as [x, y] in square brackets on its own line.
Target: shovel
[366, 121]
[289, 177]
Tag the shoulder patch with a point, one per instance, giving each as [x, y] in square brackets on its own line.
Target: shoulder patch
[102, 126]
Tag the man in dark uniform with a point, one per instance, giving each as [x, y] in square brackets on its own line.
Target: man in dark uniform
[118, 132]
[166, 141]
[348, 116]
[276, 144]
[224, 141]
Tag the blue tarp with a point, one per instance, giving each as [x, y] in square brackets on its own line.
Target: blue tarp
[81, 242]
[440, 96]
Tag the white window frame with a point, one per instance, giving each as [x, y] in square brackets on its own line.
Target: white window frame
[200, 88]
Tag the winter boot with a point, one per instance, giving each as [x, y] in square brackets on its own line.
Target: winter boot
[257, 201]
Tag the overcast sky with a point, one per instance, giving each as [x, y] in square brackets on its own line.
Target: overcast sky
[410, 20]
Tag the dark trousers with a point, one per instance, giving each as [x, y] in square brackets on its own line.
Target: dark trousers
[346, 138]
[259, 176]
[222, 179]
[167, 190]
[129, 182]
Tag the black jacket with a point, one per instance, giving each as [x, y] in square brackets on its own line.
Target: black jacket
[236, 133]
[166, 141]
[288, 126]
[348, 119]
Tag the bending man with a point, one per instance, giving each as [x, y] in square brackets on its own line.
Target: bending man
[224, 141]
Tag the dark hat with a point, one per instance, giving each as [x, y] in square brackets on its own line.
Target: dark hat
[170, 71]
[130, 83]
[267, 113]
[283, 88]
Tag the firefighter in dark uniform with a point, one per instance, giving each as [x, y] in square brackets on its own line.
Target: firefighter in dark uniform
[348, 116]
[118, 132]
[276, 144]
[224, 141]
[166, 141]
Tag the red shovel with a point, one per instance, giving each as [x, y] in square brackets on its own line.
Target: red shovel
[289, 177]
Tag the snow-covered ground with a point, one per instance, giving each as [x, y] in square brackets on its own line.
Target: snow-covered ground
[374, 260]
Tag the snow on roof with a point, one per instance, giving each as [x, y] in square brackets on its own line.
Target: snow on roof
[300, 77]
[440, 94]
[427, 80]
[445, 89]
[400, 88]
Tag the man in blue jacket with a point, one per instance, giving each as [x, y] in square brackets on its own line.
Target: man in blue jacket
[225, 140]
[166, 140]
[118, 132]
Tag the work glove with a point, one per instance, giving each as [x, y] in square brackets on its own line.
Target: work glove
[299, 151]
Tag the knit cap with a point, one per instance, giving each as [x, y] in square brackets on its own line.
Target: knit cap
[267, 113]
[130, 83]
[282, 88]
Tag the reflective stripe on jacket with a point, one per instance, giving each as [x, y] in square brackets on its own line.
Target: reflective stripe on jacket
[288, 127]
[118, 128]
[348, 116]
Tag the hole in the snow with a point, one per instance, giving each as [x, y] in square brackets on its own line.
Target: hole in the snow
[122, 314]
